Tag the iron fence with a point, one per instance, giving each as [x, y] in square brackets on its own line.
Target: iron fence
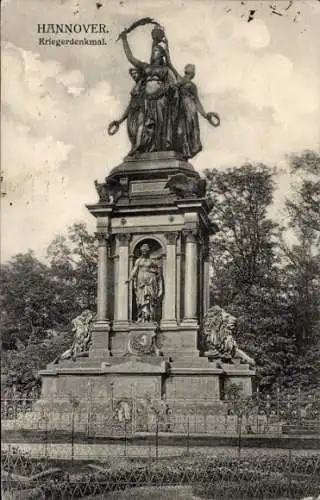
[285, 476]
[91, 429]
[109, 417]
[82, 449]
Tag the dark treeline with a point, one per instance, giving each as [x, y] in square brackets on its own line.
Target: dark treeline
[264, 273]
[267, 274]
[39, 300]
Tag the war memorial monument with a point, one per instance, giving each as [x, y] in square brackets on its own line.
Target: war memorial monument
[154, 334]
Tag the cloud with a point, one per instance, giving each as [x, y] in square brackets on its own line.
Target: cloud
[255, 34]
[26, 155]
[57, 102]
[259, 93]
[54, 127]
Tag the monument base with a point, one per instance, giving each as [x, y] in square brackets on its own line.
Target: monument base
[149, 388]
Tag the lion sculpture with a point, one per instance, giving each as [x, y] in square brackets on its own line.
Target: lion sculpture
[82, 328]
[219, 342]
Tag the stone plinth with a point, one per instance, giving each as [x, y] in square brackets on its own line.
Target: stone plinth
[240, 375]
[100, 340]
[179, 342]
[117, 377]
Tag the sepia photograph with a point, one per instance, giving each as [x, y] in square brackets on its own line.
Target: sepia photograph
[160, 250]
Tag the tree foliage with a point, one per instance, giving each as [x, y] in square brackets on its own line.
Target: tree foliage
[245, 261]
[304, 209]
[21, 367]
[240, 198]
[302, 264]
[73, 261]
[271, 286]
[30, 301]
[39, 299]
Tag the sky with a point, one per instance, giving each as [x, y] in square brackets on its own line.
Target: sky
[262, 75]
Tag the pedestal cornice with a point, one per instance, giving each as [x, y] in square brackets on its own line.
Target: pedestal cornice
[158, 162]
[101, 209]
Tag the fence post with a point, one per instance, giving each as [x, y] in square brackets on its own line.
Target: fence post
[289, 475]
[225, 420]
[125, 437]
[188, 434]
[278, 409]
[133, 418]
[258, 409]
[72, 434]
[150, 454]
[89, 412]
[299, 405]
[157, 440]
[46, 438]
[239, 418]
[4, 408]
[111, 393]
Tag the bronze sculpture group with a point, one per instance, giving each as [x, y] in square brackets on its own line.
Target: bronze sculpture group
[162, 114]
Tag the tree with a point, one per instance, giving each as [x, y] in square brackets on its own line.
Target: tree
[38, 301]
[21, 367]
[304, 210]
[240, 198]
[30, 301]
[73, 260]
[302, 264]
[245, 263]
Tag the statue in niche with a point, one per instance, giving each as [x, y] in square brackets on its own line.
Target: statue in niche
[163, 111]
[147, 282]
[218, 337]
[82, 328]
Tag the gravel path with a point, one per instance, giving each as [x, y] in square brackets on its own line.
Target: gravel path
[97, 451]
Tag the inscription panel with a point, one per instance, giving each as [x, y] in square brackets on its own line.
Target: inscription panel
[191, 386]
[150, 220]
[148, 187]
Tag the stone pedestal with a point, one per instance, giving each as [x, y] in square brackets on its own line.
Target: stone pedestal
[100, 340]
[160, 359]
[240, 375]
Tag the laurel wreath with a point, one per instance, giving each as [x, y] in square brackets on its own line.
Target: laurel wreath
[113, 127]
[214, 119]
[135, 345]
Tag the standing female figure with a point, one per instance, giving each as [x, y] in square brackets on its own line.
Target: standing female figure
[159, 96]
[147, 284]
[188, 140]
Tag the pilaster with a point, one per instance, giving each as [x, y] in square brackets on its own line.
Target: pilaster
[101, 327]
[206, 277]
[102, 276]
[122, 293]
[169, 306]
[191, 277]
